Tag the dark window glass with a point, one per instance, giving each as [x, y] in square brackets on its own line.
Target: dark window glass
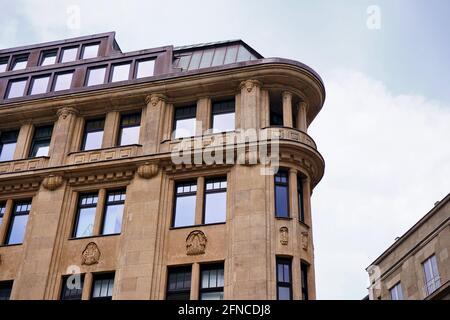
[115, 202]
[72, 287]
[84, 223]
[93, 134]
[102, 286]
[120, 72]
[5, 289]
[432, 278]
[184, 210]
[284, 279]
[39, 84]
[276, 117]
[63, 81]
[215, 200]
[2, 211]
[19, 62]
[282, 194]
[48, 57]
[16, 88]
[301, 205]
[145, 68]
[89, 51]
[211, 282]
[184, 124]
[3, 64]
[223, 116]
[41, 141]
[178, 283]
[130, 125]
[304, 279]
[96, 76]
[18, 224]
[69, 54]
[8, 141]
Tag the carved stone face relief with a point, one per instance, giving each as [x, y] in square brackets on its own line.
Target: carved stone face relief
[196, 243]
[284, 236]
[304, 240]
[91, 254]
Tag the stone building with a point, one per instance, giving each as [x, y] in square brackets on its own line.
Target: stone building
[92, 203]
[417, 265]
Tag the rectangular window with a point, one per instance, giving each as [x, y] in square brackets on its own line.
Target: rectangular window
[39, 84]
[179, 283]
[3, 64]
[115, 202]
[16, 88]
[72, 287]
[2, 211]
[41, 141]
[48, 57]
[301, 205]
[19, 62]
[103, 286]
[96, 76]
[93, 134]
[63, 81]
[145, 68]
[69, 54]
[223, 116]
[215, 200]
[184, 210]
[304, 279]
[432, 278]
[284, 279]
[184, 123]
[18, 225]
[84, 223]
[120, 72]
[396, 292]
[5, 290]
[130, 125]
[282, 194]
[89, 51]
[211, 282]
[8, 141]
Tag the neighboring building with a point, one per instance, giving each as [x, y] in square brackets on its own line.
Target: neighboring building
[88, 185]
[417, 265]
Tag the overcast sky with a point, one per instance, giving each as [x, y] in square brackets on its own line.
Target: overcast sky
[384, 129]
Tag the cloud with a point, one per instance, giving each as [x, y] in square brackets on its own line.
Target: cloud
[387, 163]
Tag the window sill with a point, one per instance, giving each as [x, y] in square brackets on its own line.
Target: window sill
[10, 245]
[304, 224]
[283, 218]
[198, 225]
[97, 236]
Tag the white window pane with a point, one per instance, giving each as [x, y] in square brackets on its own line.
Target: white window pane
[185, 128]
[69, 54]
[7, 151]
[39, 85]
[215, 207]
[130, 135]
[17, 233]
[93, 140]
[120, 72]
[17, 89]
[90, 51]
[145, 69]
[42, 151]
[223, 122]
[185, 211]
[113, 219]
[63, 81]
[96, 76]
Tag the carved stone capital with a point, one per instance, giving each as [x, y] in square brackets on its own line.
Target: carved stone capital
[148, 170]
[287, 95]
[250, 84]
[196, 243]
[91, 254]
[52, 182]
[284, 236]
[66, 111]
[154, 98]
[305, 240]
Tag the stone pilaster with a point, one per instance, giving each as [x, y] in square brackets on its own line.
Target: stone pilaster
[203, 116]
[63, 133]
[111, 129]
[287, 109]
[23, 141]
[152, 122]
[301, 116]
[250, 104]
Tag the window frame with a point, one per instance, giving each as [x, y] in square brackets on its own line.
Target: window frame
[64, 279]
[112, 203]
[83, 46]
[15, 80]
[284, 261]
[55, 76]
[304, 272]
[396, 291]
[2, 211]
[121, 63]
[110, 276]
[286, 185]
[35, 141]
[86, 132]
[300, 198]
[42, 56]
[177, 118]
[137, 61]
[6, 285]
[122, 126]
[8, 141]
[181, 269]
[78, 208]
[107, 68]
[208, 267]
[15, 58]
[31, 84]
[214, 179]
[14, 214]
[214, 113]
[191, 183]
[433, 284]
[63, 48]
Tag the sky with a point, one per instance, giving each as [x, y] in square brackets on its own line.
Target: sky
[383, 127]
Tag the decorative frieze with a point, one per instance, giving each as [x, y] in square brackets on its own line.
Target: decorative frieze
[103, 154]
[102, 177]
[19, 187]
[23, 165]
[196, 243]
